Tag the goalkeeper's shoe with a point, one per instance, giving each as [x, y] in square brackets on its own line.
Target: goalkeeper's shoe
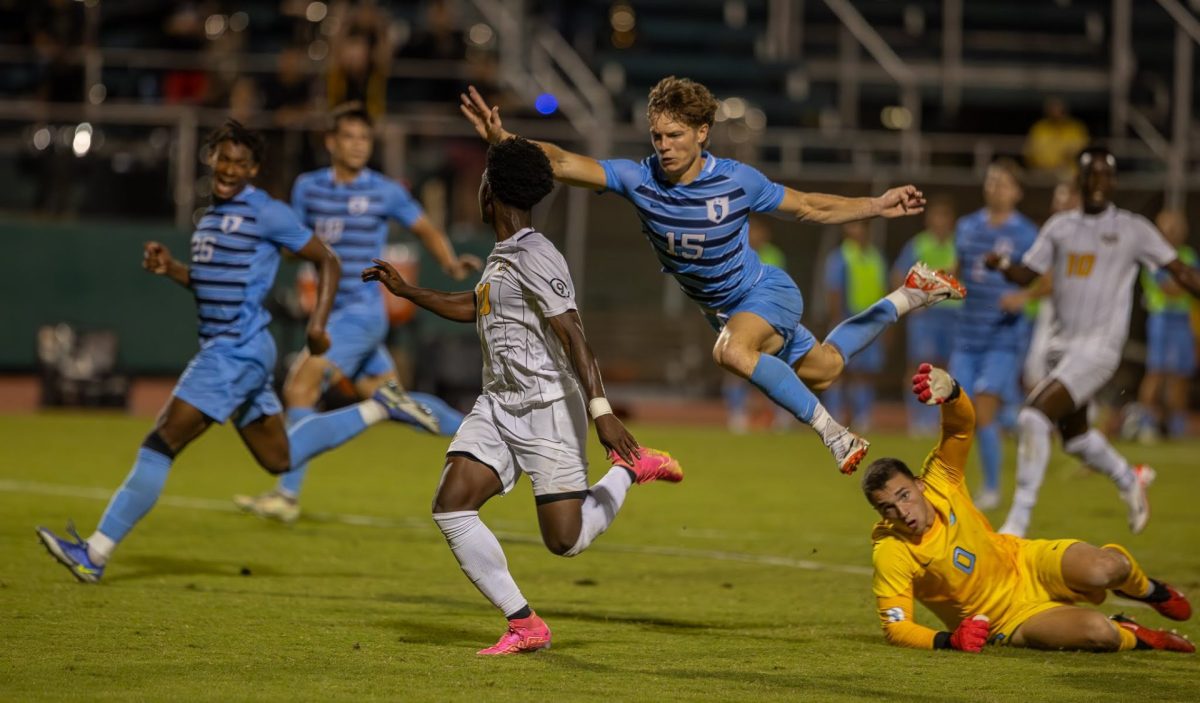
[1155, 639]
[652, 465]
[1167, 600]
[402, 407]
[73, 555]
[523, 636]
[933, 286]
[272, 505]
[848, 451]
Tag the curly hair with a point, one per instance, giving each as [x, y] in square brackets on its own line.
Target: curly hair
[683, 100]
[236, 132]
[880, 472]
[519, 173]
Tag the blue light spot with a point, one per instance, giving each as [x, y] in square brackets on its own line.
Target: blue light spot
[546, 104]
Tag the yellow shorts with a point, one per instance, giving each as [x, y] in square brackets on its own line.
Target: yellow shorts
[1041, 585]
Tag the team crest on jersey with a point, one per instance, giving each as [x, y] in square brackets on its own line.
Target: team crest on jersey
[358, 204]
[718, 208]
[560, 287]
[894, 614]
[1109, 237]
[230, 223]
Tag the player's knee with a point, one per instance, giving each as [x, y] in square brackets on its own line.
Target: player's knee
[732, 358]
[299, 393]
[275, 463]
[559, 546]
[828, 369]
[1099, 635]
[1112, 569]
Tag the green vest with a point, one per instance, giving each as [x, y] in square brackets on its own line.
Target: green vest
[1157, 300]
[866, 276]
[938, 255]
[772, 255]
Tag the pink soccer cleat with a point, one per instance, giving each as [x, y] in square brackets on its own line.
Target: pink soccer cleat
[933, 286]
[652, 465]
[524, 636]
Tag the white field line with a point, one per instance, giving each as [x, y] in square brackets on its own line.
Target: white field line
[409, 523]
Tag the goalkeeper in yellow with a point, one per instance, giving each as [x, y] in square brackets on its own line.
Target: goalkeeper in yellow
[933, 545]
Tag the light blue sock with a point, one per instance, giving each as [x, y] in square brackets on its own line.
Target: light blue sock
[448, 418]
[779, 382]
[857, 333]
[137, 495]
[862, 397]
[1177, 425]
[988, 441]
[289, 484]
[322, 432]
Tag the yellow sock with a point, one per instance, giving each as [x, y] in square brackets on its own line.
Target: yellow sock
[1128, 639]
[1138, 584]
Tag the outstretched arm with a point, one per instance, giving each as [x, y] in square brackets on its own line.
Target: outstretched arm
[836, 209]
[157, 259]
[459, 307]
[568, 327]
[570, 168]
[933, 386]
[1187, 277]
[435, 241]
[892, 585]
[329, 270]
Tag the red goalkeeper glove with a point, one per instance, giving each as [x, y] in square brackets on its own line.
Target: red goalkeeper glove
[971, 635]
[933, 386]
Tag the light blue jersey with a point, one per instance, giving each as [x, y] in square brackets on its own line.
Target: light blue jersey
[699, 230]
[235, 254]
[352, 218]
[982, 324]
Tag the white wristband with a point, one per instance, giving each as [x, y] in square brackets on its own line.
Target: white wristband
[599, 406]
[1004, 264]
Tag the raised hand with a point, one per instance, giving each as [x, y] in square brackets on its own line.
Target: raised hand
[386, 274]
[156, 258]
[902, 201]
[932, 386]
[484, 118]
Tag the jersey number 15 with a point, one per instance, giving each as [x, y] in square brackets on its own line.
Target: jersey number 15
[691, 246]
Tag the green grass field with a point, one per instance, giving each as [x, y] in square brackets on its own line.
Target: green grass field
[748, 581]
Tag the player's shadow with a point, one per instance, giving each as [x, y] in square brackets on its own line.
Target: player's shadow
[847, 685]
[415, 631]
[648, 621]
[154, 566]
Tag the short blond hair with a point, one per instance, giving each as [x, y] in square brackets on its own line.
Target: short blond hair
[684, 101]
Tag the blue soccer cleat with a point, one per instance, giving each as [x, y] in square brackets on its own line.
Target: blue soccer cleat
[448, 418]
[402, 407]
[73, 555]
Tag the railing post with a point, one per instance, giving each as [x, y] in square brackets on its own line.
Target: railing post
[1121, 70]
[1181, 119]
[185, 168]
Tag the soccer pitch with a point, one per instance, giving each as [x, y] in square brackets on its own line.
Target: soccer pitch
[748, 581]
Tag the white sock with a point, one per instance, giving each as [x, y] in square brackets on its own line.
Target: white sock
[601, 506]
[372, 411]
[1093, 449]
[100, 548]
[824, 424]
[1033, 454]
[905, 300]
[481, 558]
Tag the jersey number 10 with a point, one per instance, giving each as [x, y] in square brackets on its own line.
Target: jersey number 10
[691, 246]
[1080, 265]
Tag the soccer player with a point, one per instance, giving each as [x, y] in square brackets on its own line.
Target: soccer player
[235, 254]
[694, 209]
[1171, 357]
[988, 346]
[855, 277]
[531, 417]
[934, 545]
[1093, 254]
[930, 332]
[348, 206]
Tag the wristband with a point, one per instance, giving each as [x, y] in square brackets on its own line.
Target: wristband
[941, 640]
[1005, 263]
[599, 406]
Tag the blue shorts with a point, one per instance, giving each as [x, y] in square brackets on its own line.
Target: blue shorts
[356, 342]
[993, 371]
[776, 299]
[225, 380]
[930, 335]
[1172, 347]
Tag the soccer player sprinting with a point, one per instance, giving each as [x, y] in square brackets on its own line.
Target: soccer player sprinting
[532, 416]
[988, 346]
[1093, 254]
[933, 545]
[694, 209]
[235, 254]
[348, 206]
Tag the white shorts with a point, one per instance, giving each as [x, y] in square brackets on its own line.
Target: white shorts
[549, 443]
[1081, 370]
[1036, 366]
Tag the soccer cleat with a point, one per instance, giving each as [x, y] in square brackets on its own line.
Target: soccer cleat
[523, 636]
[73, 555]
[272, 505]
[933, 286]
[1155, 639]
[402, 408]
[1135, 498]
[652, 465]
[1175, 606]
[848, 450]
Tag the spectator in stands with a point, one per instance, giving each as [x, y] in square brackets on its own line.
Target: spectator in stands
[362, 57]
[56, 28]
[1055, 140]
[184, 31]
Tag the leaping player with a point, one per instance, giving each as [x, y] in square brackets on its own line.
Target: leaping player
[1093, 253]
[933, 545]
[532, 417]
[694, 209]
